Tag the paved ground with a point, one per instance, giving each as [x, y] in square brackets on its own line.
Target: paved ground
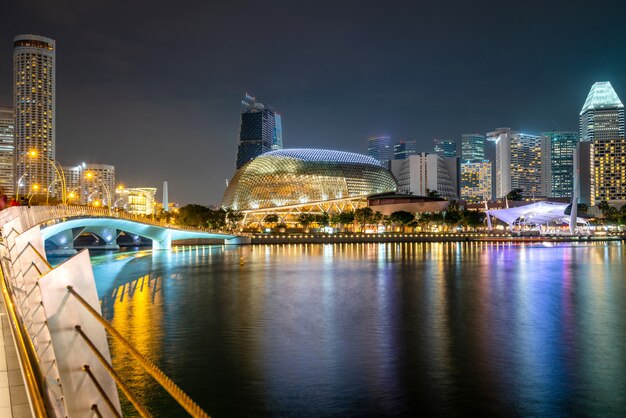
[13, 399]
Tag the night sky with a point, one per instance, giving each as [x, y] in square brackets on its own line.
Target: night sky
[154, 88]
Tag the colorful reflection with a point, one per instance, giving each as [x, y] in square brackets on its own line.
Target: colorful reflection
[384, 329]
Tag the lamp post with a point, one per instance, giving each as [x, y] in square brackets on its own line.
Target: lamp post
[19, 184]
[34, 189]
[90, 175]
[58, 170]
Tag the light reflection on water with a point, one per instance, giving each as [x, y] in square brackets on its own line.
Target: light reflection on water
[387, 329]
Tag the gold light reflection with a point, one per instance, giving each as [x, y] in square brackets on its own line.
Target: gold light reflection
[138, 316]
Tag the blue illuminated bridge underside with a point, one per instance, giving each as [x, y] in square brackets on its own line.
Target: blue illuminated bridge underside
[160, 236]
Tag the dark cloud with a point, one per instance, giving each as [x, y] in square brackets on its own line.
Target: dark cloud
[154, 86]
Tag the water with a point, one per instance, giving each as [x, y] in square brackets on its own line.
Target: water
[440, 329]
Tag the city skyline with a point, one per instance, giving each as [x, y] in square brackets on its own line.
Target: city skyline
[399, 94]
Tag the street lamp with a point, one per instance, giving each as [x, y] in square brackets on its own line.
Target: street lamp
[34, 190]
[58, 170]
[19, 184]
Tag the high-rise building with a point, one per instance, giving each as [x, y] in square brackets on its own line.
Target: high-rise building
[6, 151]
[602, 124]
[97, 184]
[34, 74]
[260, 130]
[419, 172]
[472, 148]
[404, 148]
[444, 148]
[558, 149]
[476, 181]
[518, 162]
[380, 149]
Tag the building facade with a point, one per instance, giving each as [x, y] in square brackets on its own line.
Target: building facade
[380, 149]
[417, 173]
[136, 200]
[97, 184]
[260, 130]
[34, 73]
[476, 181]
[602, 125]
[444, 148]
[291, 177]
[518, 162]
[558, 149]
[472, 148]
[404, 148]
[7, 181]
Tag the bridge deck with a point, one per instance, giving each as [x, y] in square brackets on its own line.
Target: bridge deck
[13, 399]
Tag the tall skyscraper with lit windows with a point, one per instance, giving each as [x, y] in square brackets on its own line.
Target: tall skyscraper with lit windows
[444, 148]
[34, 73]
[260, 130]
[558, 149]
[518, 162]
[602, 124]
[404, 148]
[380, 148]
[6, 151]
[472, 148]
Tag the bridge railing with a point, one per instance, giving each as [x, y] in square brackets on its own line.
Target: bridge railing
[37, 215]
[61, 336]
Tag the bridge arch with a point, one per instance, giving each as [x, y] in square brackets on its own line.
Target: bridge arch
[161, 237]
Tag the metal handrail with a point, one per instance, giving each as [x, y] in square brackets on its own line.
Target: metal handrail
[129, 395]
[172, 388]
[26, 352]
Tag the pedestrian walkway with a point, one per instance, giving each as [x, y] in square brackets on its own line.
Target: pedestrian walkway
[13, 399]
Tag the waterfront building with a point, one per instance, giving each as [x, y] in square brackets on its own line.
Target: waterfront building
[97, 184]
[380, 149]
[422, 171]
[404, 148]
[292, 181]
[7, 180]
[557, 171]
[72, 176]
[518, 162]
[584, 172]
[34, 73]
[260, 130]
[136, 200]
[476, 181]
[472, 148]
[602, 124]
[445, 148]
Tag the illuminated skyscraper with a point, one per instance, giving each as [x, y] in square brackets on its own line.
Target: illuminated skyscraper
[6, 151]
[472, 148]
[422, 171]
[97, 184]
[380, 149]
[444, 148]
[476, 181]
[404, 148]
[34, 75]
[558, 150]
[602, 124]
[518, 162]
[260, 130]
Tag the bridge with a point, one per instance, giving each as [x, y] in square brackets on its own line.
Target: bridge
[60, 344]
[61, 225]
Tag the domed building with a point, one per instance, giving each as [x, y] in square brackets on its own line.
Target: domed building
[313, 180]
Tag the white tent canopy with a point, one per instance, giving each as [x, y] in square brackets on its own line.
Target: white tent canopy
[534, 214]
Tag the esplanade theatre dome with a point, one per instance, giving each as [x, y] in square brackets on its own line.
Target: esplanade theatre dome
[299, 176]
